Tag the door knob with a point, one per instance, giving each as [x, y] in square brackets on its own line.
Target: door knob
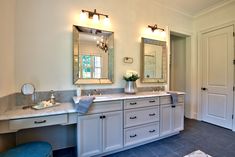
[203, 88]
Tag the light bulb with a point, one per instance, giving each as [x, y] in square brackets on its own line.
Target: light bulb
[157, 32]
[106, 21]
[83, 16]
[149, 30]
[163, 34]
[95, 18]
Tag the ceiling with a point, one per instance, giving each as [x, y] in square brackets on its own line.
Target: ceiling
[193, 7]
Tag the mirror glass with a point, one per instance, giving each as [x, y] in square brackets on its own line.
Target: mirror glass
[27, 89]
[154, 61]
[93, 55]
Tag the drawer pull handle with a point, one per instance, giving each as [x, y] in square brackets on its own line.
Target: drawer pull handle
[40, 122]
[133, 103]
[152, 101]
[153, 114]
[173, 106]
[132, 136]
[151, 131]
[133, 117]
[102, 117]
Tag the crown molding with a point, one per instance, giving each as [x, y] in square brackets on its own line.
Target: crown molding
[200, 13]
[213, 7]
[173, 9]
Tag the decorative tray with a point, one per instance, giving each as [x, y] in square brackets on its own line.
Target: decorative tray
[44, 105]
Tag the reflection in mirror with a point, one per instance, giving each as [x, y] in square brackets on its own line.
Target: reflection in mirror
[154, 61]
[27, 89]
[93, 54]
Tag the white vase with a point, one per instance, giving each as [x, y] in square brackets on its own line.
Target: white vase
[130, 87]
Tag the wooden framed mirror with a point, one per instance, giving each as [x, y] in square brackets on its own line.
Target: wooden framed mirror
[93, 56]
[153, 61]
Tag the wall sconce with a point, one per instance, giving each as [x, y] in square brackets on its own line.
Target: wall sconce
[95, 16]
[156, 30]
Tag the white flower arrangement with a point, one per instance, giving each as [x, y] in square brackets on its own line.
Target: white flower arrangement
[131, 75]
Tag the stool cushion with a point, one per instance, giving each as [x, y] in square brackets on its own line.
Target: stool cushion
[32, 149]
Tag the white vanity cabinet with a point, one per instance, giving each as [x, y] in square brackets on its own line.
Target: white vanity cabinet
[141, 120]
[100, 133]
[172, 116]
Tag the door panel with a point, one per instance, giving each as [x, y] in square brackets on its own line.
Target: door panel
[89, 135]
[166, 120]
[112, 131]
[217, 105]
[178, 117]
[217, 99]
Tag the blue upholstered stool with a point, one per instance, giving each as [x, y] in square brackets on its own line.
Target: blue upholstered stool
[32, 149]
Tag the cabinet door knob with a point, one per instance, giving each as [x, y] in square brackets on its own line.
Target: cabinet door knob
[104, 116]
[101, 117]
[151, 131]
[40, 122]
[153, 114]
[133, 103]
[132, 136]
[133, 117]
[152, 101]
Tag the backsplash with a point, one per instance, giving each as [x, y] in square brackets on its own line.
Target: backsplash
[6, 102]
[19, 99]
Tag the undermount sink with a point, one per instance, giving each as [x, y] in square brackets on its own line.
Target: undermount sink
[101, 97]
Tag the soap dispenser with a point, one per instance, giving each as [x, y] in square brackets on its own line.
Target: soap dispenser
[79, 91]
[52, 99]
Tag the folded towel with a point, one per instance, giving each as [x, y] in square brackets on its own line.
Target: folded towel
[174, 97]
[84, 104]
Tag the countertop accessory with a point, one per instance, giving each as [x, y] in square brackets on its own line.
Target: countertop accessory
[130, 77]
[79, 90]
[44, 104]
[28, 89]
[84, 104]
[52, 98]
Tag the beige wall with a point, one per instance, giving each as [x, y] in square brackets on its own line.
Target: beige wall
[7, 71]
[44, 37]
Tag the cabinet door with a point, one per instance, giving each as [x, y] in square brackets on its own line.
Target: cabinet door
[178, 118]
[166, 122]
[89, 135]
[112, 131]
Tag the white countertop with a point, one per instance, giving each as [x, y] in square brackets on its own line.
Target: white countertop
[64, 108]
[123, 96]
[18, 112]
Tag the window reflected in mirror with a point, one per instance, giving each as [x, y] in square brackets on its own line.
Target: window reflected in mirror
[154, 61]
[93, 53]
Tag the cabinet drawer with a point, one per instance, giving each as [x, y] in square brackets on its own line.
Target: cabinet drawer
[167, 99]
[99, 107]
[141, 133]
[141, 116]
[143, 102]
[18, 124]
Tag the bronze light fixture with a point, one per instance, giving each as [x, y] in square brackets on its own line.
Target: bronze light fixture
[95, 16]
[155, 27]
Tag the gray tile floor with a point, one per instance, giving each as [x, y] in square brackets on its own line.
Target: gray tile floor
[213, 140]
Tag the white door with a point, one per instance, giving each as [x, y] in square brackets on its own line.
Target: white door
[178, 117]
[112, 131]
[89, 135]
[166, 120]
[217, 68]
